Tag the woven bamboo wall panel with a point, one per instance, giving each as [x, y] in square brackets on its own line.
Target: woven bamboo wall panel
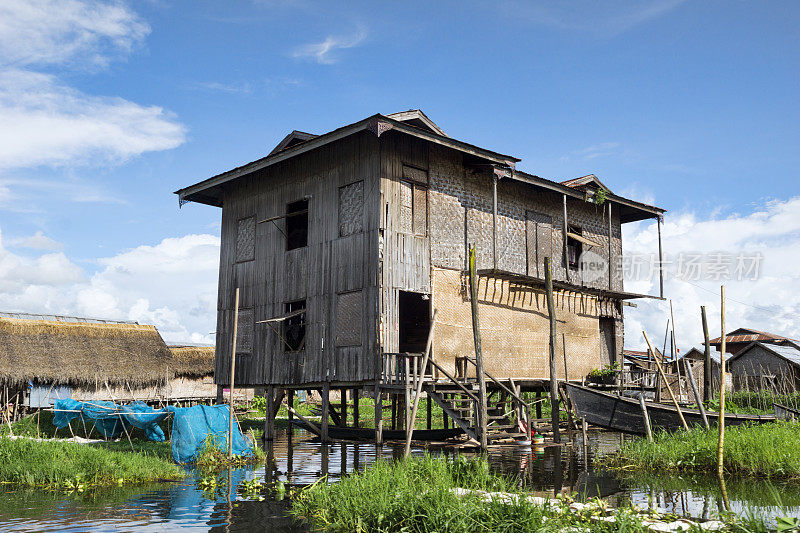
[515, 328]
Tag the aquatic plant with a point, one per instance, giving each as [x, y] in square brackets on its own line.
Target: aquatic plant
[418, 495]
[212, 456]
[76, 467]
[762, 450]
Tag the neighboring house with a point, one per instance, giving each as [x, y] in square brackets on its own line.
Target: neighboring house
[763, 365]
[43, 357]
[194, 373]
[739, 338]
[342, 245]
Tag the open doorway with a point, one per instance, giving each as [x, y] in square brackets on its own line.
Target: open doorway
[415, 321]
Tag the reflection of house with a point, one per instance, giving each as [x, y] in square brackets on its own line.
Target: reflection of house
[81, 358]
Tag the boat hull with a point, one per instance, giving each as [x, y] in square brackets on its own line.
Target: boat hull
[625, 414]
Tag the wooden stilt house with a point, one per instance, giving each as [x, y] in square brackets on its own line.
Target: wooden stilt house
[342, 244]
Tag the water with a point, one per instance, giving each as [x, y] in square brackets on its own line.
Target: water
[300, 461]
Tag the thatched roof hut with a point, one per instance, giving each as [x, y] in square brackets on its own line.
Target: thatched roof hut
[79, 353]
[192, 361]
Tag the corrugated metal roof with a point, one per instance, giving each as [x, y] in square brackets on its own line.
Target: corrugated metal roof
[752, 335]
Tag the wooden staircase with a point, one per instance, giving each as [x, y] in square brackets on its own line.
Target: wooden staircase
[459, 397]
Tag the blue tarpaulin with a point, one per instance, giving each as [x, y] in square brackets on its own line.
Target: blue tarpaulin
[192, 427]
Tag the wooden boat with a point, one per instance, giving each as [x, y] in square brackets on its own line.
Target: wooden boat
[622, 414]
[351, 433]
[783, 412]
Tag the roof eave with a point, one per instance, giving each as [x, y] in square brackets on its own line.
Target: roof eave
[378, 124]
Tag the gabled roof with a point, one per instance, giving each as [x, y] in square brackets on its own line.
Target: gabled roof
[788, 352]
[416, 124]
[740, 335]
[584, 181]
[418, 119]
[294, 138]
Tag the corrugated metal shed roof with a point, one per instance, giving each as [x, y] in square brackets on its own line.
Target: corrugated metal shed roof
[790, 353]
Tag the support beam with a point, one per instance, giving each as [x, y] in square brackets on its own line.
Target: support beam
[343, 409]
[326, 400]
[378, 414]
[564, 241]
[269, 418]
[476, 333]
[356, 414]
[551, 311]
[610, 252]
[233, 372]
[494, 221]
[290, 414]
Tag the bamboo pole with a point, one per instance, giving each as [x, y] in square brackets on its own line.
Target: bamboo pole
[118, 416]
[233, 372]
[418, 392]
[664, 377]
[721, 419]
[476, 332]
[707, 375]
[675, 351]
[378, 414]
[551, 311]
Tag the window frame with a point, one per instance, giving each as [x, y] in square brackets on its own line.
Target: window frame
[295, 213]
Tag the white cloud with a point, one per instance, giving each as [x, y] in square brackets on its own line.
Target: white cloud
[172, 285]
[599, 18]
[40, 32]
[37, 241]
[324, 52]
[45, 122]
[770, 303]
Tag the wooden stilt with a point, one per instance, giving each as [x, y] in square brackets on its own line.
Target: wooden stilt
[343, 408]
[428, 413]
[551, 310]
[445, 418]
[290, 412]
[233, 372]
[325, 410]
[476, 334]
[378, 414]
[356, 414]
[269, 419]
[538, 405]
[394, 412]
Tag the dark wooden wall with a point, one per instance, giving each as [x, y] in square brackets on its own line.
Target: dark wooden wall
[325, 273]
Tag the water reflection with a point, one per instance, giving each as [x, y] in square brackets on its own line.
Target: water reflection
[299, 460]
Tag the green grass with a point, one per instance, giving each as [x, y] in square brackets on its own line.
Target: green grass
[71, 466]
[762, 450]
[414, 495]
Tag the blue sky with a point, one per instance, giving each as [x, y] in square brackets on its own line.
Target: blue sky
[106, 108]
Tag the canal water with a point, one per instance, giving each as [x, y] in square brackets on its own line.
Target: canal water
[300, 460]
